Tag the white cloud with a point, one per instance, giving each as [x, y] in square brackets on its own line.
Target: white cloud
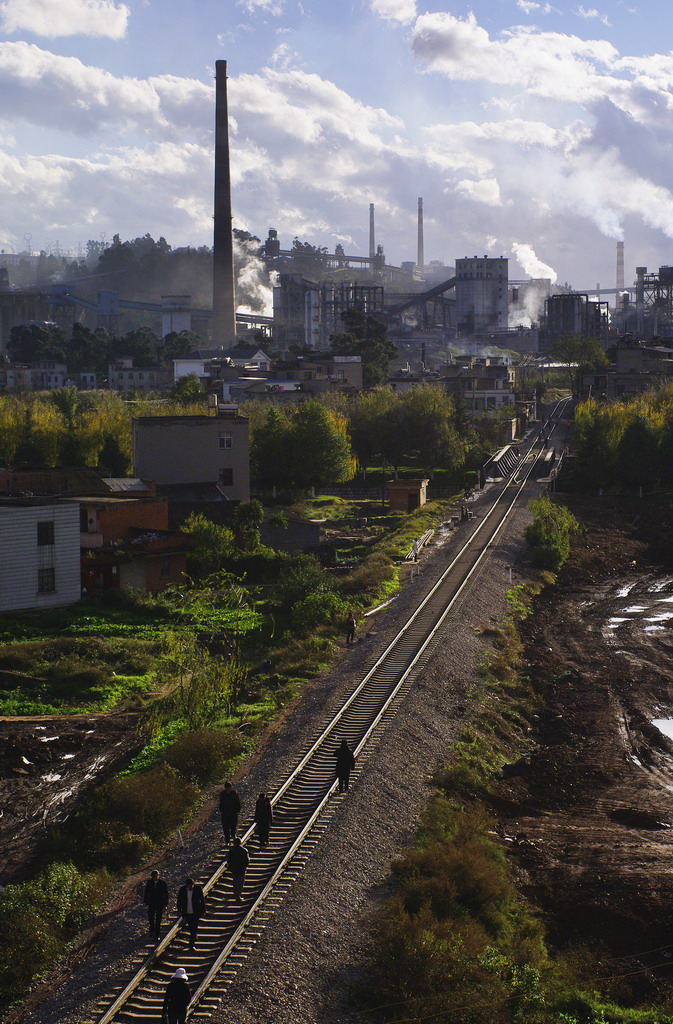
[52, 18]
[485, 191]
[549, 64]
[62, 92]
[591, 12]
[264, 6]
[530, 7]
[403, 11]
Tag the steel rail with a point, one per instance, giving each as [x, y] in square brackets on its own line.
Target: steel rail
[429, 634]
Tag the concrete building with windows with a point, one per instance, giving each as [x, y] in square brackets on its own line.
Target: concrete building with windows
[482, 300]
[40, 564]
[172, 450]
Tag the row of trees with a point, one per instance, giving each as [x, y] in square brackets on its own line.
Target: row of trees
[313, 445]
[92, 350]
[318, 444]
[626, 444]
[66, 427]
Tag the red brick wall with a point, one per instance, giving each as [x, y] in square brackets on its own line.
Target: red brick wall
[154, 581]
[115, 519]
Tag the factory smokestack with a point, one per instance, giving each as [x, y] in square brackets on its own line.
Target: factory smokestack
[224, 304]
[420, 256]
[620, 270]
[372, 239]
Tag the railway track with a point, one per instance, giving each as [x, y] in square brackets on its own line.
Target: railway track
[304, 803]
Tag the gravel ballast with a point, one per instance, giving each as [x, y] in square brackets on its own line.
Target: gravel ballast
[307, 963]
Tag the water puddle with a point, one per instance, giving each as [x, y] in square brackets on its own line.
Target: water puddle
[48, 739]
[51, 777]
[664, 725]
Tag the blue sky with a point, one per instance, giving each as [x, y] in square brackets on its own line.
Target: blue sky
[535, 130]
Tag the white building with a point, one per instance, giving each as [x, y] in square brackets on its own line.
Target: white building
[481, 294]
[39, 553]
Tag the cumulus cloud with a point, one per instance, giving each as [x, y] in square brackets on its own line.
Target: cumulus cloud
[44, 88]
[403, 11]
[486, 190]
[550, 64]
[53, 18]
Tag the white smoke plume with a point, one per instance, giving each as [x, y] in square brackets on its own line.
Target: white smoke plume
[530, 264]
[254, 290]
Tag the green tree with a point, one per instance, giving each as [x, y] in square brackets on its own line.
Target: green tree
[319, 447]
[214, 543]
[270, 455]
[248, 518]
[579, 354]
[178, 345]
[429, 416]
[187, 389]
[366, 337]
[549, 535]
[198, 689]
[637, 460]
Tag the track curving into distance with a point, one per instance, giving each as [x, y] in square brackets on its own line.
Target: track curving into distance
[305, 801]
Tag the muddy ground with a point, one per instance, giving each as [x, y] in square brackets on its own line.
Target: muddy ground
[46, 763]
[590, 810]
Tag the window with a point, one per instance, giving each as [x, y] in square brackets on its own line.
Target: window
[45, 533]
[165, 567]
[46, 581]
[226, 441]
[226, 477]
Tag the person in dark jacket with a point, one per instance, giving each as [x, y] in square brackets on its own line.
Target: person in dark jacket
[238, 859]
[191, 906]
[345, 763]
[230, 808]
[156, 899]
[263, 818]
[176, 998]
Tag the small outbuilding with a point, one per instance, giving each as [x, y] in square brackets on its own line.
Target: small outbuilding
[406, 495]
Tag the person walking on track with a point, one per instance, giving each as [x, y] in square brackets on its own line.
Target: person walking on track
[263, 818]
[350, 629]
[345, 763]
[238, 859]
[230, 808]
[176, 998]
[191, 906]
[155, 898]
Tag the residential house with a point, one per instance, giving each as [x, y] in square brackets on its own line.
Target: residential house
[127, 542]
[39, 540]
[484, 385]
[124, 376]
[187, 450]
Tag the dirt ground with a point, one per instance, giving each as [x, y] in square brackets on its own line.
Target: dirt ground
[46, 762]
[590, 810]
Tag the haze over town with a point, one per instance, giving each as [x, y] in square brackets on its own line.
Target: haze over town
[536, 131]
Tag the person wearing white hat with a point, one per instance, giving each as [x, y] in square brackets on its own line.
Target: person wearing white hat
[176, 999]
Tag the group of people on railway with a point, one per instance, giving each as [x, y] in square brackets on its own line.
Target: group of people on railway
[191, 903]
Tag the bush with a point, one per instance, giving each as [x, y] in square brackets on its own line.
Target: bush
[152, 804]
[202, 755]
[548, 536]
[317, 610]
[302, 575]
[28, 944]
[37, 919]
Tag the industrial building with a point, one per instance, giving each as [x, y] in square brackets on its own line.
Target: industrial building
[481, 294]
